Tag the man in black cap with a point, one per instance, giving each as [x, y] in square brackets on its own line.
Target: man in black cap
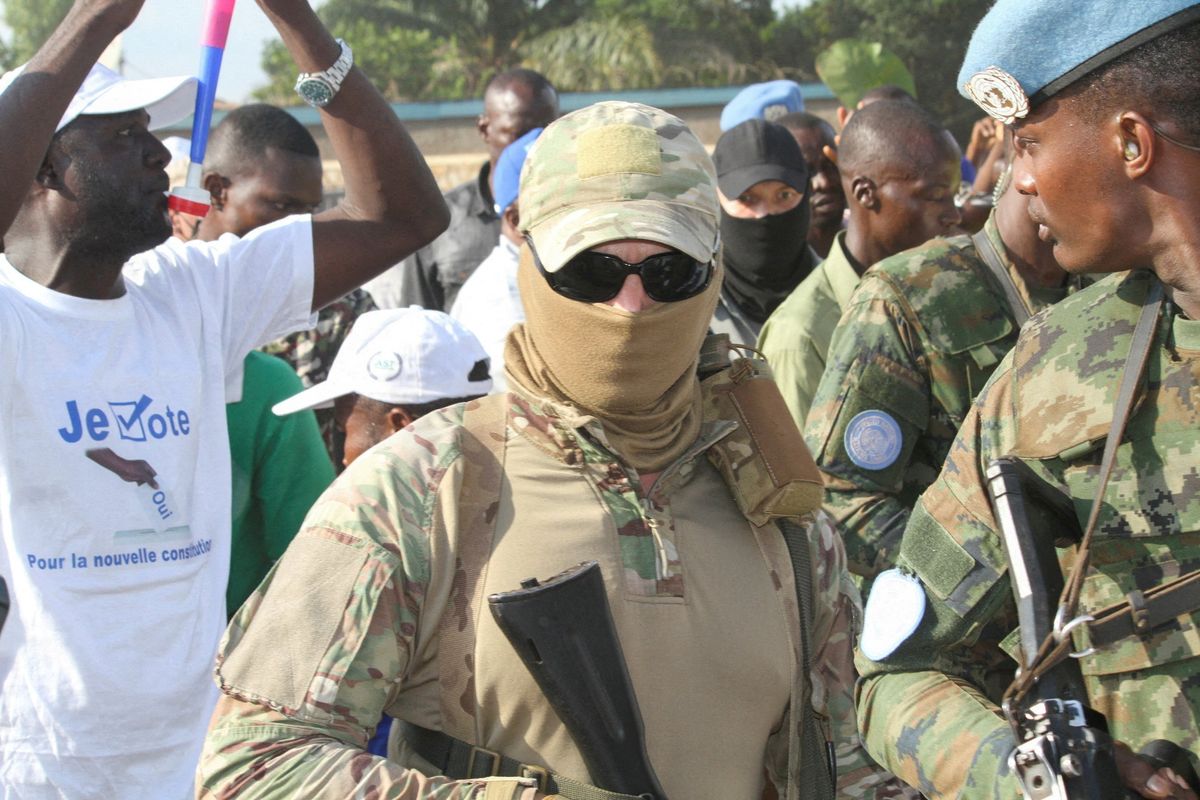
[762, 183]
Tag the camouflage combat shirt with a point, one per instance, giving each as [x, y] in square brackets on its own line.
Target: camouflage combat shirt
[928, 710]
[918, 340]
[347, 625]
[311, 352]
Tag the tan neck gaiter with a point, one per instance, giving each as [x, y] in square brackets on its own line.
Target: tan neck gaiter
[635, 372]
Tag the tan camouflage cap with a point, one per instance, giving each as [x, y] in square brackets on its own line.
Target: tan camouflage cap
[618, 171]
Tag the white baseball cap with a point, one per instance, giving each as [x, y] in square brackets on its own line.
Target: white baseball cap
[166, 100]
[405, 356]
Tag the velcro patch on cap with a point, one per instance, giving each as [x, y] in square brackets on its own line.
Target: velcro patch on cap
[617, 149]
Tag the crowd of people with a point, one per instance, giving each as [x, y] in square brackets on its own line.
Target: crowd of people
[267, 475]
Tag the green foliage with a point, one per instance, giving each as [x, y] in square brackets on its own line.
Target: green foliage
[447, 49]
[929, 36]
[851, 67]
[399, 61]
[566, 55]
[31, 22]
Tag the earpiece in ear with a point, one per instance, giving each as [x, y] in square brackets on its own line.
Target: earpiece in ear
[1132, 150]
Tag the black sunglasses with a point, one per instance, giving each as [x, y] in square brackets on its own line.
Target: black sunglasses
[592, 277]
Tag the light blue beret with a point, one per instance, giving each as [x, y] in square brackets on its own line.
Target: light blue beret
[768, 101]
[1026, 51]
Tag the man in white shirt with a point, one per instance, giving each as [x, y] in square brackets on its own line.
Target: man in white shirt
[114, 348]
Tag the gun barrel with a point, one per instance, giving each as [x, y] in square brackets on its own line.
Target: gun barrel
[563, 631]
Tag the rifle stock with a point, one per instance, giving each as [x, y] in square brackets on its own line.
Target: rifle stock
[564, 634]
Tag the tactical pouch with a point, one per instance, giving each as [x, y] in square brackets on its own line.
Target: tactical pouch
[764, 461]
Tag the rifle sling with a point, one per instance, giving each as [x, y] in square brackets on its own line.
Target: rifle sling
[1142, 342]
[1135, 367]
[987, 251]
[1141, 613]
[817, 760]
[458, 760]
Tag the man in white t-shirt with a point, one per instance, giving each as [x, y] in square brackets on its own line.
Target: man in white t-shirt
[114, 348]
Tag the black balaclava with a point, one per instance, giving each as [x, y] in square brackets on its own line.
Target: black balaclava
[765, 258]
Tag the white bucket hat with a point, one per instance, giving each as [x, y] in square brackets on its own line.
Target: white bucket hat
[166, 100]
[405, 356]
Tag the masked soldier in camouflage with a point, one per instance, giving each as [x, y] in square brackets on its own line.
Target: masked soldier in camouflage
[923, 331]
[597, 452]
[1104, 107]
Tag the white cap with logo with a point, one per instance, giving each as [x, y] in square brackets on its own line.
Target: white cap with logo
[405, 356]
[166, 100]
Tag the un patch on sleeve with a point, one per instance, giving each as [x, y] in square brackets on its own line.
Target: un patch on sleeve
[894, 610]
[873, 439]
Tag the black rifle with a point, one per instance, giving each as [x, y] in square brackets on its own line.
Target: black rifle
[1063, 746]
[563, 631]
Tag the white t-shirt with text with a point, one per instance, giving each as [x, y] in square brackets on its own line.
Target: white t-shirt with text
[115, 507]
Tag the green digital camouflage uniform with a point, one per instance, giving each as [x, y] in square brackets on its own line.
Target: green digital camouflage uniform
[374, 578]
[1050, 403]
[920, 337]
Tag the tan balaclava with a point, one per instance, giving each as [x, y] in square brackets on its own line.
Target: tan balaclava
[609, 172]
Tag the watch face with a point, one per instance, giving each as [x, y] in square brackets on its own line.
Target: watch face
[315, 92]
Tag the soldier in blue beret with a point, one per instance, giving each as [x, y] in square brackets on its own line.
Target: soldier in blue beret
[768, 101]
[1103, 100]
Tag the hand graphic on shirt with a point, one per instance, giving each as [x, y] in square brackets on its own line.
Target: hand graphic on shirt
[136, 471]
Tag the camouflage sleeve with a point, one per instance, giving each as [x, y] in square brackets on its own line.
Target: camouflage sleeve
[311, 352]
[310, 662]
[928, 710]
[837, 621]
[869, 411]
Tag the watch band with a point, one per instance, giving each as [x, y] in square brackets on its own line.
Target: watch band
[319, 88]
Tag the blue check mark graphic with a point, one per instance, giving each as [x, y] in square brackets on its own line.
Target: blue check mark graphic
[126, 422]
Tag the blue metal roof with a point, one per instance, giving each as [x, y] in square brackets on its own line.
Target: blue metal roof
[569, 101]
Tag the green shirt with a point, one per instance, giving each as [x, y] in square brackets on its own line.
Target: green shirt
[280, 467]
[796, 337]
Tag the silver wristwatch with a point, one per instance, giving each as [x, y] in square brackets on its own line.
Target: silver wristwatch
[318, 88]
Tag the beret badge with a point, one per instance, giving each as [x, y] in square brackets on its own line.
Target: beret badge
[999, 94]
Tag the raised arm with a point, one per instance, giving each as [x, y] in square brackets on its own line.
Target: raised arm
[32, 106]
[392, 204]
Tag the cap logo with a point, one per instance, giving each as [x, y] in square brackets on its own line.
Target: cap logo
[774, 112]
[617, 149]
[383, 366]
[999, 94]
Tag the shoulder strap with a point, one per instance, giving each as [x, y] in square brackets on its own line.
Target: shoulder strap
[987, 251]
[812, 770]
[485, 429]
[1057, 645]
[1131, 378]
